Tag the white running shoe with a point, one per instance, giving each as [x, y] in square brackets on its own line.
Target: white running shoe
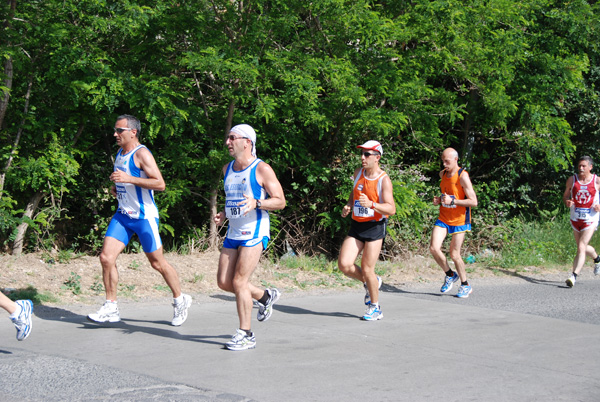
[241, 341]
[597, 268]
[367, 295]
[109, 312]
[264, 312]
[180, 310]
[570, 281]
[373, 313]
[23, 321]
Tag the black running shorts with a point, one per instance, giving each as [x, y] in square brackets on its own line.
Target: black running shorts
[367, 231]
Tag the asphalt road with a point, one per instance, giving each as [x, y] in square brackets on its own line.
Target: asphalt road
[549, 297]
[519, 340]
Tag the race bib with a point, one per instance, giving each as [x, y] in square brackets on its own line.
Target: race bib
[232, 210]
[582, 213]
[448, 205]
[363, 212]
[121, 192]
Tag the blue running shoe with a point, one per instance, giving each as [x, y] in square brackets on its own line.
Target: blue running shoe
[373, 313]
[367, 295]
[448, 282]
[464, 291]
[23, 321]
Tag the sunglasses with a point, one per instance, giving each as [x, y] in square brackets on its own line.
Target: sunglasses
[233, 138]
[121, 130]
[367, 154]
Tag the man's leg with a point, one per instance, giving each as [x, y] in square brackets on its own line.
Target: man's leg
[7, 304]
[226, 270]
[351, 248]
[159, 263]
[455, 246]
[435, 247]
[108, 259]
[245, 265]
[582, 239]
[109, 311]
[20, 314]
[370, 256]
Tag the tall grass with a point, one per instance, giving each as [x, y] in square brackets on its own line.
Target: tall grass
[538, 243]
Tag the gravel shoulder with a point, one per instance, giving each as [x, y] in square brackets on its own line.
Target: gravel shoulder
[78, 280]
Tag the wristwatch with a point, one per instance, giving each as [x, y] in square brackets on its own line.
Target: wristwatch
[258, 204]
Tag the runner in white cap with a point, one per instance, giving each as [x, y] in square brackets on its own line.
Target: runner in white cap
[248, 180]
[371, 203]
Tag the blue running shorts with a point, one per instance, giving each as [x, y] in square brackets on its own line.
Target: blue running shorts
[228, 243]
[453, 229]
[122, 228]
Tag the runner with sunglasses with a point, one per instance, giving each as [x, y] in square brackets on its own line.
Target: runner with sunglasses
[371, 202]
[135, 176]
[251, 190]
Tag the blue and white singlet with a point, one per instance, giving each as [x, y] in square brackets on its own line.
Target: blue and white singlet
[256, 224]
[134, 201]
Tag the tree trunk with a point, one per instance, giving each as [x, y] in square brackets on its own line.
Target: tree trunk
[8, 73]
[468, 133]
[15, 146]
[8, 65]
[212, 236]
[22, 229]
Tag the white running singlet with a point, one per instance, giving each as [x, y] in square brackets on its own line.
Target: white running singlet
[134, 201]
[256, 223]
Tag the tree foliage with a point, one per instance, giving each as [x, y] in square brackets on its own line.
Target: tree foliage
[510, 84]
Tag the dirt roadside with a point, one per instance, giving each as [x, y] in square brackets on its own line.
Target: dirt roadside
[79, 280]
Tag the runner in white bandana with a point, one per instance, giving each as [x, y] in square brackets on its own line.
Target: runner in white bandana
[247, 181]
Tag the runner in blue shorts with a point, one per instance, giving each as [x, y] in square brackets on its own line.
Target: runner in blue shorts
[136, 177]
[456, 201]
[247, 182]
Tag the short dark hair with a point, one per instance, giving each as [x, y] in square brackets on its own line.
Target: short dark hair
[132, 122]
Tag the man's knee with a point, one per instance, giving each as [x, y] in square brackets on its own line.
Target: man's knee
[106, 260]
[455, 255]
[238, 284]
[225, 285]
[161, 266]
[435, 249]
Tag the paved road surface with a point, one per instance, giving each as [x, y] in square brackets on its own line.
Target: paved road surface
[525, 340]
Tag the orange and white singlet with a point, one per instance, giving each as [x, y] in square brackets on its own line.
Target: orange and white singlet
[454, 215]
[372, 188]
[585, 196]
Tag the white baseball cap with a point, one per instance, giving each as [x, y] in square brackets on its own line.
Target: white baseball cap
[373, 146]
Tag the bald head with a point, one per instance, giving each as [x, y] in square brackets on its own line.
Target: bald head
[449, 153]
[450, 160]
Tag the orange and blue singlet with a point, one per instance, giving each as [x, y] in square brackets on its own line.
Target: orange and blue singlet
[455, 218]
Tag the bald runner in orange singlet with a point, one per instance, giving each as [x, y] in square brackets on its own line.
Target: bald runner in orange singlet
[456, 201]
